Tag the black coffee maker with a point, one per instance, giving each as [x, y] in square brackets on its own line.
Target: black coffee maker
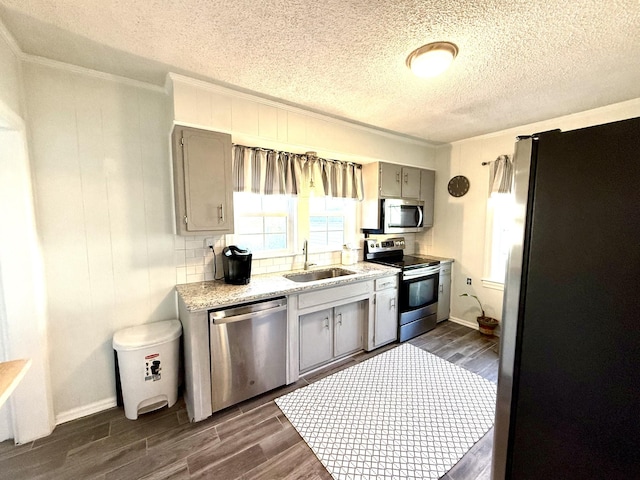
[236, 262]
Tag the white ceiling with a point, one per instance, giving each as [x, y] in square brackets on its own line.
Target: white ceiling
[519, 62]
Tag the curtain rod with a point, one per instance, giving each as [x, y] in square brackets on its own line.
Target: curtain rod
[300, 154]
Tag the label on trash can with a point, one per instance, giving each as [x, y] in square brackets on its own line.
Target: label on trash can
[152, 367]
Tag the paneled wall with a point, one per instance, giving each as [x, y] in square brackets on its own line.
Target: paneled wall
[100, 153]
[459, 229]
[28, 413]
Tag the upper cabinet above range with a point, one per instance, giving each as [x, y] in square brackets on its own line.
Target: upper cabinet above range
[388, 180]
[427, 194]
[202, 181]
[396, 181]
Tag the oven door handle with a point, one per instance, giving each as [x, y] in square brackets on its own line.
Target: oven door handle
[408, 275]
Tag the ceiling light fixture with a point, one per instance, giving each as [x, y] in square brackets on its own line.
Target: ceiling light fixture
[432, 59]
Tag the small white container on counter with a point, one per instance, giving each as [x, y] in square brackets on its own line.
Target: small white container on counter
[349, 255]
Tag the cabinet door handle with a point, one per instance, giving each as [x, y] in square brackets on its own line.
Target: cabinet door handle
[221, 214]
[406, 178]
[398, 177]
[326, 323]
[340, 321]
[392, 303]
[441, 288]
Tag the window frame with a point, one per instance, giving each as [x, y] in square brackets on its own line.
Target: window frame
[501, 206]
[290, 214]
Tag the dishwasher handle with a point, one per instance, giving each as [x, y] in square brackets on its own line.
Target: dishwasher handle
[221, 317]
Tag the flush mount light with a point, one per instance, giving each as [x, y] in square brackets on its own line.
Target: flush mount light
[432, 59]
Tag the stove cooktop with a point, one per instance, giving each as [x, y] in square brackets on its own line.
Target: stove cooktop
[408, 261]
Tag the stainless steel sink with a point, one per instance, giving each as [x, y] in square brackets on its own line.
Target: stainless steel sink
[318, 274]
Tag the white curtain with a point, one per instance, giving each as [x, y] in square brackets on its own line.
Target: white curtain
[501, 175]
[270, 172]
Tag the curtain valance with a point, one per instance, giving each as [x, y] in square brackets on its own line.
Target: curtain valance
[271, 172]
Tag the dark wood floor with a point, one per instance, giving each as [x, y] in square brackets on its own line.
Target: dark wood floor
[252, 440]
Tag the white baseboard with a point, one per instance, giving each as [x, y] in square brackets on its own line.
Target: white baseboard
[466, 323]
[471, 324]
[85, 410]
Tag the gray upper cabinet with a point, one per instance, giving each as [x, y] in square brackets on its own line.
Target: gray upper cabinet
[202, 181]
[397, 181]
[427, 194]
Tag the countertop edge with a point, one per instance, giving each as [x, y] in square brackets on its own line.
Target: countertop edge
[216, 294]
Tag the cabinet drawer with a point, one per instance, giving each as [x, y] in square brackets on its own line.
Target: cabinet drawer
[387, 282]
[333, 294]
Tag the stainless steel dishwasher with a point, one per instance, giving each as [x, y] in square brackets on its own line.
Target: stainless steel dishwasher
[248, 345]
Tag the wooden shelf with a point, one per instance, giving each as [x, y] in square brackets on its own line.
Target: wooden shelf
[10, 375]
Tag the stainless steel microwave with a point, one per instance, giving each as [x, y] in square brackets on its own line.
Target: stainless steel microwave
[401, 216]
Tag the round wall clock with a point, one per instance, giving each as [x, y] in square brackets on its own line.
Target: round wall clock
[458, 186]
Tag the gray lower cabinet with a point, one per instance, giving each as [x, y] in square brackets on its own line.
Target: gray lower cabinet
[348, 327]
[444, 292]
[331, 333]
[385, 324]
[316, 338]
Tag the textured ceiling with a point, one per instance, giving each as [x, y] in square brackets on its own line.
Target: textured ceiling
[519, 61]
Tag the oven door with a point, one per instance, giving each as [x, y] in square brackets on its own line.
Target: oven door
[418, 302]
[419, 290]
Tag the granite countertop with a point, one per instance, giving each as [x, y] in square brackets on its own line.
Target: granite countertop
[214, 294]
[442, 259]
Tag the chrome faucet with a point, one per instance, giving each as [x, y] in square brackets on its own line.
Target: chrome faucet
[305, 250]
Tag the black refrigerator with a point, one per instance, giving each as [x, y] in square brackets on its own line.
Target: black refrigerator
[569, 380]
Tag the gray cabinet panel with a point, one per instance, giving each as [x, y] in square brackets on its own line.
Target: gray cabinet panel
[348, 327]
[444, 293]
[386, 317]
[316, 334]
[202, 178]
[427, 194]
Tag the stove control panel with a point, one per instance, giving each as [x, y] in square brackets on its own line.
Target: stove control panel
[386, 245]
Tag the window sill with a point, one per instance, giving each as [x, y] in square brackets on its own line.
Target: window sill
[492, 284]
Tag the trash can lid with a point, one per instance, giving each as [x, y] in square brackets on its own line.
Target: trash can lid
[147, 335]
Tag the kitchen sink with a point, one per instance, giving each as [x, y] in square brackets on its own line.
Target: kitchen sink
[318, 274]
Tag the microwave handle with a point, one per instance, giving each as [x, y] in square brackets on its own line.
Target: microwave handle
[419, 216]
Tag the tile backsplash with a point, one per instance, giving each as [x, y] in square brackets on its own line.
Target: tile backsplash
[195, 261]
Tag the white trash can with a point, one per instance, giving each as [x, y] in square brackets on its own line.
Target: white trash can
[148, 365]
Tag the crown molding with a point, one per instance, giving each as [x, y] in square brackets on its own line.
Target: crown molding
[47, 62]
[10, 39]
[632, 105]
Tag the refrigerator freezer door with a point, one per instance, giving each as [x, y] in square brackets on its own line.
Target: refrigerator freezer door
[522, 163]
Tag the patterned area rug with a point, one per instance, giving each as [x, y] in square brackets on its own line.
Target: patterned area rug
[403, 414]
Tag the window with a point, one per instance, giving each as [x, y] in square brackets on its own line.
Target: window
[270, 224]
[327, 221]
[498, 241]
[263, 223]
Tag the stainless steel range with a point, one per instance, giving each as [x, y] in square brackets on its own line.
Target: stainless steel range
[418, 295]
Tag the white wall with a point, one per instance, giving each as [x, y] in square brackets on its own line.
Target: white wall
[103, 191]
[459, 227]
[23, 328]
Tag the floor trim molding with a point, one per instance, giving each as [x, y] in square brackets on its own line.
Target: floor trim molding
[85, 410]
[466, 323]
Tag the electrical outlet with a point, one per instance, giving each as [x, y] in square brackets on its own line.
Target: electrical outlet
[468, 281]
[208, 242]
